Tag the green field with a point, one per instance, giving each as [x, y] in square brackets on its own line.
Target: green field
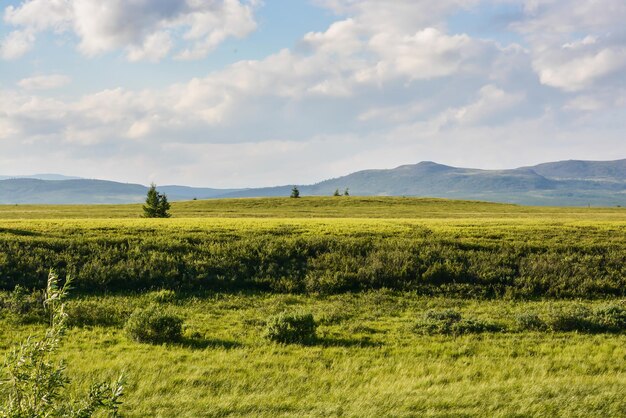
[367, 269]
[320, 207]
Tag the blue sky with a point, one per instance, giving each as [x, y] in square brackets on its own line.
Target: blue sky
[241, 93]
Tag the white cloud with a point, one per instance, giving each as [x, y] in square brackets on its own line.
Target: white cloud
[155, 47]
[44, 82]
[144, 29]
[401, 16]
[16, 44]
[427, 54]
[492, 103]
[575, 46]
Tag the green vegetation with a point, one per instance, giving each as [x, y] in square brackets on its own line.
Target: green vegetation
[156, 205]
[366, 359]
[289, 328]
[35, 385]
[331, 307]
[490, 257]
[322, 207]
[154, 325]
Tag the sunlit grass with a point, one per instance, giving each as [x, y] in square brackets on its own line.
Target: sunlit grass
[367, 361]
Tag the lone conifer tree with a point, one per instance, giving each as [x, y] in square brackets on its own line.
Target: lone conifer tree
[295, 193]
[156, 205]
[336, 193]
[346, 192]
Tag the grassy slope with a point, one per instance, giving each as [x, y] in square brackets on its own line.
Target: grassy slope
[368, 362]
[317, 207]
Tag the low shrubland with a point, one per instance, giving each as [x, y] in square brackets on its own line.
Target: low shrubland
[498, 258]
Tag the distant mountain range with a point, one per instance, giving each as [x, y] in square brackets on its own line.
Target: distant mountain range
[564, 183]
[41, 177]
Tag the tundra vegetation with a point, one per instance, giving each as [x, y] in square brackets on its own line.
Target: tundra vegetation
[330, 307]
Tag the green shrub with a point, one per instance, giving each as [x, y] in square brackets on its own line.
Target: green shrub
[154, 325]
[289, 328]
[529, 321]
[24, 307]
[96, 313]
[162, 296]
[609, 318]
[571, 318]
[451, 322]
[606, 318]
[437, 322]
[475, 326]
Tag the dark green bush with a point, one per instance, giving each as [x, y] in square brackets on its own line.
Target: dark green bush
[609, 318]
[154, 325]
[23, 307]
[291, 327]
[571, 318]
[451, 322]
[529, 321]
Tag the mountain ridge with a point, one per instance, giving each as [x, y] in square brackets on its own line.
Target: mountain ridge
[560, 183]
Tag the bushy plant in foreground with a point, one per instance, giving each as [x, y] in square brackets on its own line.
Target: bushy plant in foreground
[451, 322]
[291, 327]
[35, 385]
[154, 325]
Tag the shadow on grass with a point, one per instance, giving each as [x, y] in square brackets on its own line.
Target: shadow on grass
[204, 343]
[20, 232]
[339, 342]
[345, 342]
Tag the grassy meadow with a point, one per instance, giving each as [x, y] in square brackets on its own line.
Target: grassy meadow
[369, 270]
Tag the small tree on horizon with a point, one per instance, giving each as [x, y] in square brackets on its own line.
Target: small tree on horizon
[336, 193]
[346, 192]
[295, 193]
[156, 205]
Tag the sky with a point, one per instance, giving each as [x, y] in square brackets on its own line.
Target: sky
[249, 93]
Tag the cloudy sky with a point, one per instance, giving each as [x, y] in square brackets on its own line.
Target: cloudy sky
[235, 93]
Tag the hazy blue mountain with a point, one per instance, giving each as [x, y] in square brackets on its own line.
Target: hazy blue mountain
[188, 193]
[42, 177]
[27, 190]
[573, 183]
[564, 184]
[587, 170]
